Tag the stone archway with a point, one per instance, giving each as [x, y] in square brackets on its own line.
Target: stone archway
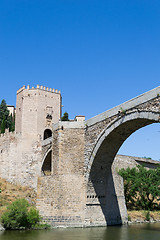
[47, 134]
[105, 198]
[47, 163]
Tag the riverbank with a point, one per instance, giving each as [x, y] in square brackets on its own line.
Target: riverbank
[134, 217]
[10, 192]
[143, 216]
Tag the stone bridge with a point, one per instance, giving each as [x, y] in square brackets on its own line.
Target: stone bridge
[83, 188]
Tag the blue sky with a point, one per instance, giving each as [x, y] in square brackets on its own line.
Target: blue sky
[98, 53]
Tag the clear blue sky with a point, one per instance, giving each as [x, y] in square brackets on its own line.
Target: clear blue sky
[99, 53]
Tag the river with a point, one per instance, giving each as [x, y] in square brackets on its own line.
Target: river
[132, 232]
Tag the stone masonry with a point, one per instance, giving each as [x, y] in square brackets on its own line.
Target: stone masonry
[84, 188]
[73, 165]
[21, 152]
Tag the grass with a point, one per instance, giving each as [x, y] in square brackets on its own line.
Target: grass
[10, 192]
[141, 215]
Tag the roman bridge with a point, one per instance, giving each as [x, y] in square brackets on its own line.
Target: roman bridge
[83, 188]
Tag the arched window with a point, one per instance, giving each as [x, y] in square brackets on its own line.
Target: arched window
[47, 134]
[46, 167]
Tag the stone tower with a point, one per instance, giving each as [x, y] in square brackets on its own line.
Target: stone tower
[36, 110]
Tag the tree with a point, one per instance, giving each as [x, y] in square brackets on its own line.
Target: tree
[3, 125]
[6, 119]
[11, 123]
[65, 117]
[141, 187]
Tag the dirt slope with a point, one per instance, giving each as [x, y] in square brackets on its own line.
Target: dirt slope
[10, 192]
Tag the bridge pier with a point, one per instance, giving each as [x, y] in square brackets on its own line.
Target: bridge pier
[61, 196]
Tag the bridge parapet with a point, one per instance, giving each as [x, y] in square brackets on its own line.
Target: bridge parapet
[68, 125]
[122, 108]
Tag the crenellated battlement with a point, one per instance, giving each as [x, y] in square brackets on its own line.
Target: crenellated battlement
[33, 105]
[47, 89]
[21, 89]
[8, 134]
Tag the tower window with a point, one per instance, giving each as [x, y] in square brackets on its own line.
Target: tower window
[49, 117]
[47, 134]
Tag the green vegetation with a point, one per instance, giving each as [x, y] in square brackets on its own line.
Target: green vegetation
[10, 192]
[19, 215]
[65, 117]
[6, 119]
[123, 111]
[149, 158]
[141, 188]
[148, 216]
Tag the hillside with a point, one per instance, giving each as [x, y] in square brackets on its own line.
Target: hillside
[10, 192]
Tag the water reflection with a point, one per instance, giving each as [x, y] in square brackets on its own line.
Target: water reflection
[138, 232]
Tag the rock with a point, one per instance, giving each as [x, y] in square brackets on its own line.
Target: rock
[1, 228]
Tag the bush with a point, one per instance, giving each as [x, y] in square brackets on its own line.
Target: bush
[33, 217]
[19, 216]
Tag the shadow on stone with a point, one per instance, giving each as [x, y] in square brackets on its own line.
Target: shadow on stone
[102, 197]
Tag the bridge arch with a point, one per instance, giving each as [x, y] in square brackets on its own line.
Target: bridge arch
[104, 190]
[118, 131]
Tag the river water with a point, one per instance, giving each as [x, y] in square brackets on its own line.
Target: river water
[132, 232]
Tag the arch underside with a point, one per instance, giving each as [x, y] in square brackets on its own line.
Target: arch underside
[104, 189]
[47, 163]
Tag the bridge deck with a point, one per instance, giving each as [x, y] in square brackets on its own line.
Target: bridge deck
[126, 105]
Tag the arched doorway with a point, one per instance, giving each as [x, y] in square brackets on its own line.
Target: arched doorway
[47, 163]
[47, 134]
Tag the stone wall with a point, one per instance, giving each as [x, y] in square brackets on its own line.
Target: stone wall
[23, 152]
[61, 196]
[20, 160]
[37, 109]
[67, 198]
